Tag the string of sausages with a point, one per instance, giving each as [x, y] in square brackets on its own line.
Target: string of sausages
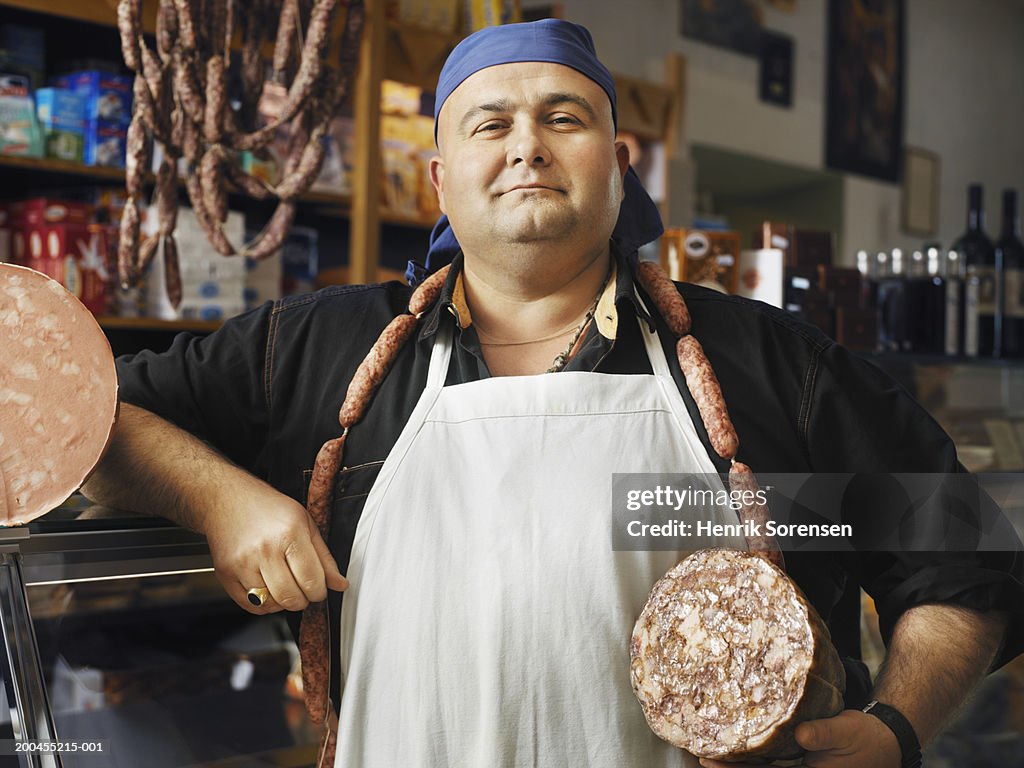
[700, 380]
[181, 101]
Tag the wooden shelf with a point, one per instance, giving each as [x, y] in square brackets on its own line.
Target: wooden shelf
[331, 204]
[50, 165]
[93, 11]
[155, 324]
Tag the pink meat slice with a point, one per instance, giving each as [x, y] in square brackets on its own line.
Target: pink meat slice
[58, 394]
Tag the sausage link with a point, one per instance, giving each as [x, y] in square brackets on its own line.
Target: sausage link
[426, 292]
[186, 87]
[146, 253]
[249, 184]
[128, 243]
[144, 107]
[665, 296]
[374, 368]
[136, 156]
[742, 481]
[166, 196]
[355, 18]
[321, 484]
[311, 158]
[306, 80]
[216, 99]
[128, 12]
[212, 228]
[284, 46]
[166, 29]
[252, 71]
[274, 234]
[314, 648]
[172, 271]
[186, 24]
[703, 385]
[211, 177]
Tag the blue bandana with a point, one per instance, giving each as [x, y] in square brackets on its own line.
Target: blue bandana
[557, 42]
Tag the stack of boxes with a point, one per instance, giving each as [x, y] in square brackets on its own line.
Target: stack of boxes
[59, 239]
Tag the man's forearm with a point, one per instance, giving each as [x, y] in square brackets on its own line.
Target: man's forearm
[937, 655]
[153, 467]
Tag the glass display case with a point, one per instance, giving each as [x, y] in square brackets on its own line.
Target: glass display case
[117, 632]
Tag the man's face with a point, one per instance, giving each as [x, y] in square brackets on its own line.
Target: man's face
[528, 156]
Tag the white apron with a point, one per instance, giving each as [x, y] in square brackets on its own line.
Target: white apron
[488, 620]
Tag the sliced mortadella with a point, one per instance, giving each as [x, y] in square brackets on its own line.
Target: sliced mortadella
[58, 394]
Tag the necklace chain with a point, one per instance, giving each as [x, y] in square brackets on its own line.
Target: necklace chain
[562, 358]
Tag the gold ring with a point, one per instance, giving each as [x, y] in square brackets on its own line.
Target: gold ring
[258, 595]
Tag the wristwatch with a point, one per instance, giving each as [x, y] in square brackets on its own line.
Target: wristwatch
[910, 747]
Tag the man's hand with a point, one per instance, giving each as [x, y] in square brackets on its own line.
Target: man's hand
[268, 540]
[258, 536]
[851, 739]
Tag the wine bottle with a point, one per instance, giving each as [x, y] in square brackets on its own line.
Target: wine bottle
[954, 327]
[983, 283]
[1010, 250]
[892, 309]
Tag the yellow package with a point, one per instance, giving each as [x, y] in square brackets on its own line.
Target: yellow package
[490, 13]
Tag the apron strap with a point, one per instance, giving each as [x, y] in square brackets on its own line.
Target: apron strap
[659, 365]
[440, 355]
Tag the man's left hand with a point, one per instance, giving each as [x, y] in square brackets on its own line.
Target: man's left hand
[851, 739]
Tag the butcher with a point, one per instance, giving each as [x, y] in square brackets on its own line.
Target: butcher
[450, 450]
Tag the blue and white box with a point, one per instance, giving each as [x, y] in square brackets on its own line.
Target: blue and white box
[108, 98]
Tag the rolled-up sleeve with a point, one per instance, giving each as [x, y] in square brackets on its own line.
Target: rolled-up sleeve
[213, 386]
[861, 420]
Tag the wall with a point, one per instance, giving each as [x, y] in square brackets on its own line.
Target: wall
[964, 99]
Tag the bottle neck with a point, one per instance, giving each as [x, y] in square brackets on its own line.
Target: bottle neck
[975, 214]
[1011, 221]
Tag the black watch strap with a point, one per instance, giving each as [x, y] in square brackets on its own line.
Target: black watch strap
[910, 747]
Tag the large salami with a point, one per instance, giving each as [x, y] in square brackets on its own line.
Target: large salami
[58, 394]
[728, 657]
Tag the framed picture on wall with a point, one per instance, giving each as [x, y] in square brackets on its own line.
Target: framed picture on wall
[864, 105]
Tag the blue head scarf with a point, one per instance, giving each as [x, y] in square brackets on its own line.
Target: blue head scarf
[557, 42]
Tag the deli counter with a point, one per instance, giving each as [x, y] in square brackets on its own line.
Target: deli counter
[122, 646]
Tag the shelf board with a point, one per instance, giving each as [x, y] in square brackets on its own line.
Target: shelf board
[155, 324]
[93, 11]
[332, 204]
[50, 165]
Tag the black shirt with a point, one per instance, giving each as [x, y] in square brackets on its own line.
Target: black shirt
[266, 388]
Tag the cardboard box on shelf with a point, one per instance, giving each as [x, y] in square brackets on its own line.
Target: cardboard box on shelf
[105, 144]
[61, 114]
[23, 48]
[58, 239]
[20, 135]
[108, 97]
[339, 158]
[263, 280]
[300, 261]
[212, 285]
